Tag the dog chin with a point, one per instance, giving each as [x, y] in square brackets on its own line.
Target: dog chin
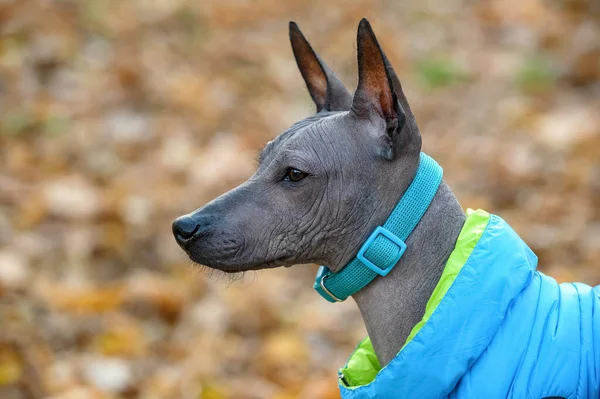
[234, 267]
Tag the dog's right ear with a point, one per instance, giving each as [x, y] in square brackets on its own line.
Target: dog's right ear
[325, 88]
[379, 96]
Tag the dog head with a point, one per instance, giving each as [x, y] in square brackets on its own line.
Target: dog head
[323, 184]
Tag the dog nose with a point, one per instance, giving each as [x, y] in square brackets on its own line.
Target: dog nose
[184, 228]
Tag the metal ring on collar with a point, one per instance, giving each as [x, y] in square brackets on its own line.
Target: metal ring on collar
[327, 291]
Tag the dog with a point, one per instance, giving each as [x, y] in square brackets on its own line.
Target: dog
[452, 301]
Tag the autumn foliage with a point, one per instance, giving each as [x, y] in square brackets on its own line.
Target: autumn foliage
[118, 116]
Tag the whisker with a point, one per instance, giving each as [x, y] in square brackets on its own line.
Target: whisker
[210, 273]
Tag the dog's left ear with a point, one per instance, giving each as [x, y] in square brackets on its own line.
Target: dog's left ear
[326, 89]
[376, 95]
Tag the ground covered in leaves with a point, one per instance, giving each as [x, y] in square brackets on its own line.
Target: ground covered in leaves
[117, 116]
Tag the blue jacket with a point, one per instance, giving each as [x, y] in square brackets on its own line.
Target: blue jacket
[493, 328]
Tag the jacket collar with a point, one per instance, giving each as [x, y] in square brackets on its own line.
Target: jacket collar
[488, 268]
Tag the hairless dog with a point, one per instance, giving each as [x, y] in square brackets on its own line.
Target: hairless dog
[324, 185]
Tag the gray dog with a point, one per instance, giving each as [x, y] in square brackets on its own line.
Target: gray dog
[452, 302]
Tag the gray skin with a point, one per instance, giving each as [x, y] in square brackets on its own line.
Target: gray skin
[357, 156]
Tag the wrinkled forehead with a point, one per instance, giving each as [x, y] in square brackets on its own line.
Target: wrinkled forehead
[293, 135]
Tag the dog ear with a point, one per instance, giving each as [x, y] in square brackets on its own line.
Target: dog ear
[325, 88]
[379, 93]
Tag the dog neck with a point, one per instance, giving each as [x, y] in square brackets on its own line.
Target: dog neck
[392, 305]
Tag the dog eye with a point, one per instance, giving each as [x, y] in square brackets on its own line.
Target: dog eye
[294, 175]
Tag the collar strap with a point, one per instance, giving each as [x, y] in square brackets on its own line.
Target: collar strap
[386, 245]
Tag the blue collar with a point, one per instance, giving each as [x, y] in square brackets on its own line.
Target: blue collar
[385, 246]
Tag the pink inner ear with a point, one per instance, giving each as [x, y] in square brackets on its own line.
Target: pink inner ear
[377, 87]
[373, 79]
[385, 99]
[317, 82]
[309, 67]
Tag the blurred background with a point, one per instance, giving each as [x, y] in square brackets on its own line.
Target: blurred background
[118, 116]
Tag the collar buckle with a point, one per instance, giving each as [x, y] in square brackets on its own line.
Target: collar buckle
[385, 250]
